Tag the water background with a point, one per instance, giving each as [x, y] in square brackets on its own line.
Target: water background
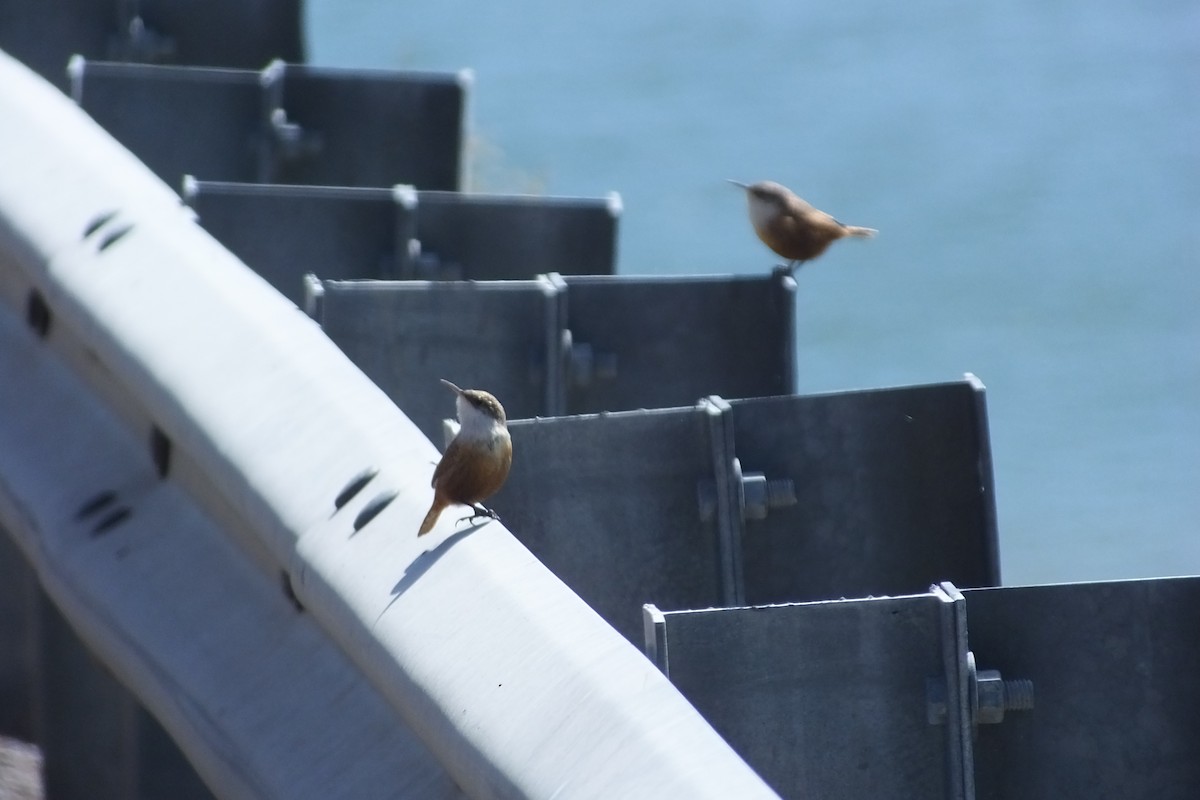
[1033, 169]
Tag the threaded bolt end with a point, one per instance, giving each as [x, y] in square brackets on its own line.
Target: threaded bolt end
[1018, 694]
[781, 492]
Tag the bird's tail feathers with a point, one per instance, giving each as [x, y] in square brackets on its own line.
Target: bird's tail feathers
[866, 233]
[431, 519]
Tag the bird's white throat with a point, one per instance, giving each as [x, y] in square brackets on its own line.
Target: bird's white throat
[475, 424]
[761, 211]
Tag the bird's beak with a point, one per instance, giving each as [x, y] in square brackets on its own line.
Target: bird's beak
[737, 183]
[452, 387]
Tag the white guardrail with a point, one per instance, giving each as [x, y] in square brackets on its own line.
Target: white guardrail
[174, 436]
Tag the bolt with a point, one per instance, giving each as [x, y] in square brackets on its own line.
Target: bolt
[992, 696]
[997, 695]
[606, 366]
[781, 493]
[588, 365]
[1018, 694]
[294, 142]
[581, 364]
[762, 494]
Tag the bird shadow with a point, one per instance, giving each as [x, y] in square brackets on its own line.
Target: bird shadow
[422, 563]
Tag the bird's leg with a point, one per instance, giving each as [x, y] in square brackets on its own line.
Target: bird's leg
[480, 512]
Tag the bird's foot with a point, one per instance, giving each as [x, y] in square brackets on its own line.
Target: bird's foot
[790, 267]
[481, 512]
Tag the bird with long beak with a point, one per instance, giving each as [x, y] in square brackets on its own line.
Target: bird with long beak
[477, 461]
[790, 226]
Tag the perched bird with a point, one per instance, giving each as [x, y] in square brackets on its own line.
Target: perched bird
[792, 227]
[476, 463]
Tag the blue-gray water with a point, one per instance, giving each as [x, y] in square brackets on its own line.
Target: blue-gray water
[1033, 168]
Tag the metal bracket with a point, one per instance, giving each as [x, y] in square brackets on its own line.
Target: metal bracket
[751, 494]
[282, 140]
[733, 496]
[562, 363]
[728, 490]
[291, 142]
[406, 262]
[960, 752]
[428, 267]
[137, 42]
[966, 697]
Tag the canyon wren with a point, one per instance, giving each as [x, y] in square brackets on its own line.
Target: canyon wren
[792, 227]
[476, 463]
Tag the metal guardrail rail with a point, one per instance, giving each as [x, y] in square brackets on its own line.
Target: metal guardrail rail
[178, 436]
[154, 585]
